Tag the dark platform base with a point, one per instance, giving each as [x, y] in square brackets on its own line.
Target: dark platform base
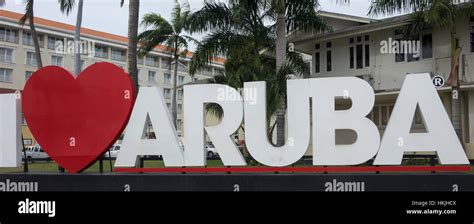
[242, 182]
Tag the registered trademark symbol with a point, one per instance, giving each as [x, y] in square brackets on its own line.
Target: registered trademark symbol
[438, 81]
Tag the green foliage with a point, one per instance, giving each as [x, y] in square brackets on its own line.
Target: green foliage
[426, 14]
[159, 31]
[245, 33]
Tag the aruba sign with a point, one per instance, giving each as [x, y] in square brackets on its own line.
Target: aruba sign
[76, 120]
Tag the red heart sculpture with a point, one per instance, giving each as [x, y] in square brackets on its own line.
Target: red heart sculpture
[76, 120]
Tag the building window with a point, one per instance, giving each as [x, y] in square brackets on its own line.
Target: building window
[359, 58]
[180, 124]
[351, 57]
[317, 62]
[151, 76]
[6, 55]
[101, 51]
[399, 56]
[427, 42]
[57, 60]
[472, 33]
[6, 75]
[180, 80]
[367, 55]
[380, 114]
[119, 55]
[180, 109]
[411, 56]
[472, 38]
[31, 59]
[180, 94]
[317, 46]
[359, 52]
[28, 74]
[328, 57]
[329, 61]
[167, 93]
[53, 41]
[165, 63]
[8, 35]
[167, 78]
[152, 61]
[307, 73]
[140, 60]
[28, 39]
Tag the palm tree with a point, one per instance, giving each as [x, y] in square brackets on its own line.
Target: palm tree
[77, 39]
[429, 14]
[290, 15]
[240, 32]
[30, 17]
[160, 31]
[66, 6]
[133, 15]
[233, 26]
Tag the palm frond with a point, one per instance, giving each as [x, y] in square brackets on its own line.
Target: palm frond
[214, 44]
[391, 7]
[151, 38]
[296, 63]
[156, 21]
[212, 16]
[28, 12]
[66, 6]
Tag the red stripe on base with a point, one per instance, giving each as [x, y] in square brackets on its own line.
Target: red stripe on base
[331, 169]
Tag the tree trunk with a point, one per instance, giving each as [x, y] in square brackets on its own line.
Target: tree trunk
[133, 14]
[456, 90]
[77, 39]
[280, 41]
[175, 102]
[34, 36]
[280, 60]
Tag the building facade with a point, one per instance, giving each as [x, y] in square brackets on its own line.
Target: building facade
[356, 47]
[18, 60]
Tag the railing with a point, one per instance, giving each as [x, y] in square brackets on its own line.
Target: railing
[153, 63]
[118, 57]
[9, 38]
[100, 54]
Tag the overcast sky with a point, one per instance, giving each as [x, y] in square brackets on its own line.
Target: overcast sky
[107, 16]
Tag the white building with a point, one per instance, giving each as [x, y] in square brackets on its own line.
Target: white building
[354, 48]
